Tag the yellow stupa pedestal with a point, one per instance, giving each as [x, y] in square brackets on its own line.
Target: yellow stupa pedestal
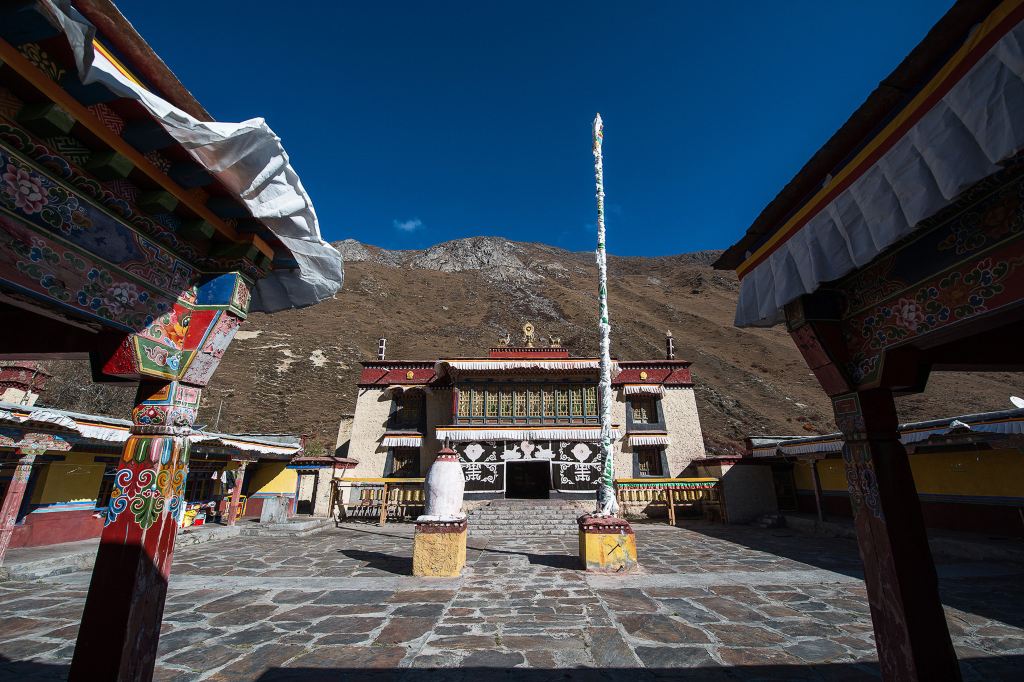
[607, 544]
[439, 548]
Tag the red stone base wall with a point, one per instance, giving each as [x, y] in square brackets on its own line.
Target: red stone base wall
[53, 527]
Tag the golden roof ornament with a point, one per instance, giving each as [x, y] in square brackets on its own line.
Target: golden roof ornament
[505, 340]
[554, 341]
[528, 336]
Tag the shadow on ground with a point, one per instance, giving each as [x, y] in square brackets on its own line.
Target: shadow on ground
[1003, 668]
[999, 597]
[389, 563]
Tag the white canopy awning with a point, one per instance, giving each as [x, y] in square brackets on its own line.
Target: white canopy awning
[484, 366]
[582, 433]
[643, 389]
[648, 439]
[964, 137]
[248, 159]
[403, 441]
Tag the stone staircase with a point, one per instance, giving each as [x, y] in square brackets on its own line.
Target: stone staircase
[525, 518]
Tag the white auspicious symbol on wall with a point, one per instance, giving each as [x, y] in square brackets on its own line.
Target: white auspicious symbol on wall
[582, 472]
[472, 470]
[473, 452]
[581, 451]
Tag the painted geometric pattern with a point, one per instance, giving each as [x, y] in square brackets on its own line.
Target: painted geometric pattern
[108, 117]
[21, 141]
[978, 257]
[122, 189]
[70, 148]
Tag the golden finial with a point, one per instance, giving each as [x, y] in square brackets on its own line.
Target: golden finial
[528, 336]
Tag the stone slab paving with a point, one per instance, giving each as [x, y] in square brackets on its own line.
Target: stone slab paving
[721, 602]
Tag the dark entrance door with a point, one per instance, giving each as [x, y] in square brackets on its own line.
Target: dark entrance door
[528, 480]
[785, 487]
[306, 498]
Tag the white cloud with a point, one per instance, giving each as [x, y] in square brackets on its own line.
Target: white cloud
[407, 225]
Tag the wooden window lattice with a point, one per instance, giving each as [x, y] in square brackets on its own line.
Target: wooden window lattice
[649, 461]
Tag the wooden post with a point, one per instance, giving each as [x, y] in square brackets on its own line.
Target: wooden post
[120, 628]
[236, 492]
[817, 490]
[671, 507]
[909, 622]
[384, 505]
[13, 498]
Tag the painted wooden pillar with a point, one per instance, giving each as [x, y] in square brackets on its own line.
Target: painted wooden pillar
[120, 627]
[236, 492]
[816, 477]
[910, 625]
[13, 498]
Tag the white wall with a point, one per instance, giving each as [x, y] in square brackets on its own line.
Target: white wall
[439, 413]
[686, 440]
[373, 407]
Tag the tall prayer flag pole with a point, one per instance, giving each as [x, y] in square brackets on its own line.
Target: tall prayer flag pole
[606, 502]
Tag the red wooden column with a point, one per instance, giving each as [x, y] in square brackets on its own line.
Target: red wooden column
[236, 492]
[120, 628]
[31, 445]
[910, 626]
[13, 498]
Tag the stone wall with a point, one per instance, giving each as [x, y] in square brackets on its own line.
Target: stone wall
[373, 407]
[686, 440]
[439, 413]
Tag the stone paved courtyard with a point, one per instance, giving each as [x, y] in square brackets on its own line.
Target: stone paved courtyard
[723, 602]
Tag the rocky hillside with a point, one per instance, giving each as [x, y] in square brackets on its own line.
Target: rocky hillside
[296, 371]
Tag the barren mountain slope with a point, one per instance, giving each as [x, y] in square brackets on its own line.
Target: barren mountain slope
[296, 371]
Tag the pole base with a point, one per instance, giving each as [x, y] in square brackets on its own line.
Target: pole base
[439, 548]
[607, 544]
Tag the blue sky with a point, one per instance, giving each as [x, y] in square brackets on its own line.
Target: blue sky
[415, 122]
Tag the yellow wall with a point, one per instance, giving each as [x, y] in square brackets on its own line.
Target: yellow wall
[802, 475]
[272, 477]
[76, 479]
[997, 473]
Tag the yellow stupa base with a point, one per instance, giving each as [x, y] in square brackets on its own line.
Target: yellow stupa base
[607, 545]
[439, 549]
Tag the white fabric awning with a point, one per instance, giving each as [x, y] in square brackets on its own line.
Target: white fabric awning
[401, 441]
[643, 389]
[962, 139]
[55, 421]
[244, 445]
[529, 364]
[648, 439]
[817, 446]
[528, 434]
[247, 158]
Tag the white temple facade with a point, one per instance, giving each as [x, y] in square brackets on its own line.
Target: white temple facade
[524, 420]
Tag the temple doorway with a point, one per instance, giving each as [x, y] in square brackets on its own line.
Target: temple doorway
[306, 498]
[528, 480]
